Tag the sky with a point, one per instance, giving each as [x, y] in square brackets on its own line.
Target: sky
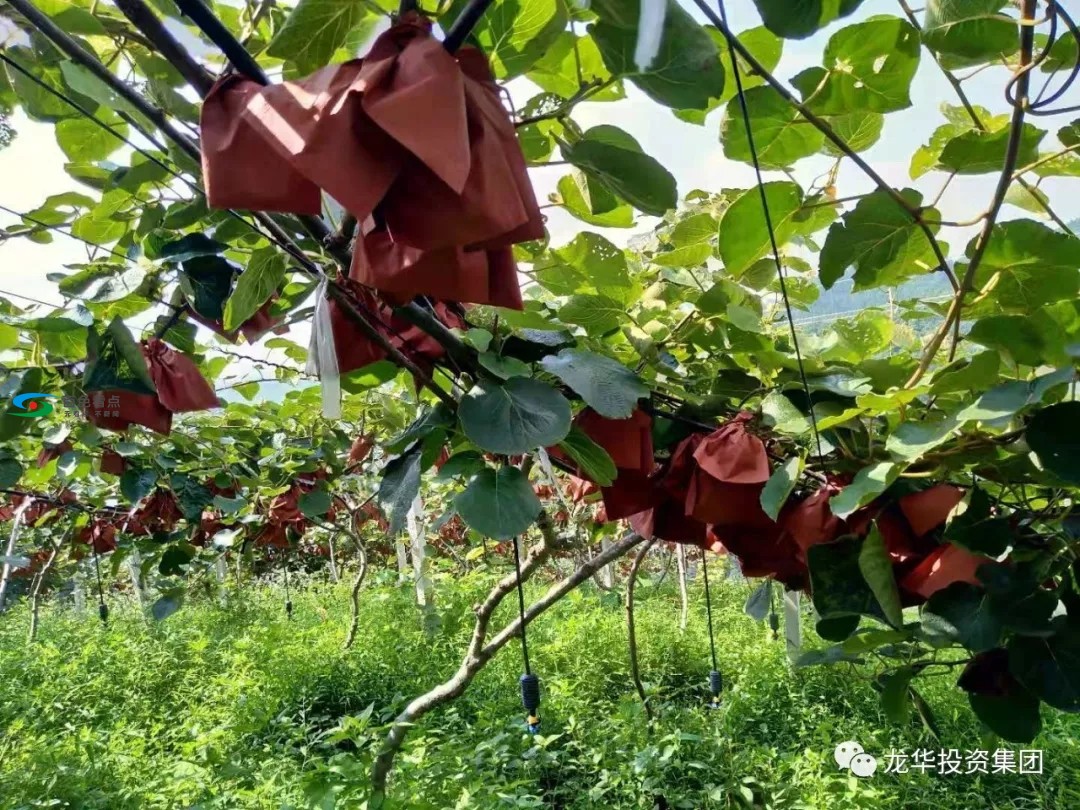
[31, 168]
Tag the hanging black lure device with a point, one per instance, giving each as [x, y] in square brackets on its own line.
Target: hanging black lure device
[530, 684]
[716, 680]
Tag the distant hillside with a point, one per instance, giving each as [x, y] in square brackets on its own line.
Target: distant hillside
[841, 300]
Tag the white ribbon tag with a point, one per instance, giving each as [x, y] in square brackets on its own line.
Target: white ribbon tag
[322, 355]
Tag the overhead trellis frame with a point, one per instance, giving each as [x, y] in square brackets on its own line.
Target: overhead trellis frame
[151, 27]
[148, 23]
[145, 19]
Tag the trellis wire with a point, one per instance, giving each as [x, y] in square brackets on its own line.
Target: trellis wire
[737, 71]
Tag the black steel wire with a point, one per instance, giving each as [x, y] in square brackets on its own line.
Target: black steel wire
[60, 230]
[737, 72]
[708, 607]
[521, 607]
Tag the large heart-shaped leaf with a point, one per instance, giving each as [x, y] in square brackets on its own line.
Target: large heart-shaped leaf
[315, 503]
[314, 31]
[515, 417]
[593, 459]
[781, 135]
[881, 241]
[870, 67]
[515, 34]
[877, 571]
[499, 503]
[686, 72]
[260, 280]
[615, 159]
[779, 486]
[970, 31]
[798, 19]
[1054, 436]
[399, 487]
[1050, 667]
[606, 385]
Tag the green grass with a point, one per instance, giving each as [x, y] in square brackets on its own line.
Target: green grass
[226, 706]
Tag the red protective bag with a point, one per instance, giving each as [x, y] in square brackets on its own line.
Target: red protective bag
[905, 548]
[34, 512]
[100, 535]
[947, 564]
[484, 98]
[112, 462]
[239, 170]
[733, 455]
[766, 552]
[355, 349]
[677, 475]
[627, 441]
[210, 523]
[454, 273]
[160, 513]
[274, 535]
[285, 508]
[409, 130]
[252, 329]
[810, 521]
[180, 386]
[318, 127]
[668, 521]
[578, 489]
[119, 409]
[361, 449]
[927, 510]
[631, 493]
[731, 470]
[47, 454]
[370, 511]
[496, 207]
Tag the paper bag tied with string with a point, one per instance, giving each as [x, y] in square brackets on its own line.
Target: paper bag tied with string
[140, 383]
[238, 169]
[729, 470]
[411, 134]
[354, 349]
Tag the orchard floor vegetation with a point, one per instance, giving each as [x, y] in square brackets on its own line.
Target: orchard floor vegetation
[230, 704]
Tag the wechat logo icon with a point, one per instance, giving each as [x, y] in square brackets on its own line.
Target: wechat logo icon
[850, 756]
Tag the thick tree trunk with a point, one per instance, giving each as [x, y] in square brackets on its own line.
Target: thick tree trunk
[607, 573]
[354, 596]
[792, 624]
[9, 550]
[134, 562]
[684, 597]
[35, 592]
[479, 654]
[414, 526]
[631, 633]
[333, 561]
